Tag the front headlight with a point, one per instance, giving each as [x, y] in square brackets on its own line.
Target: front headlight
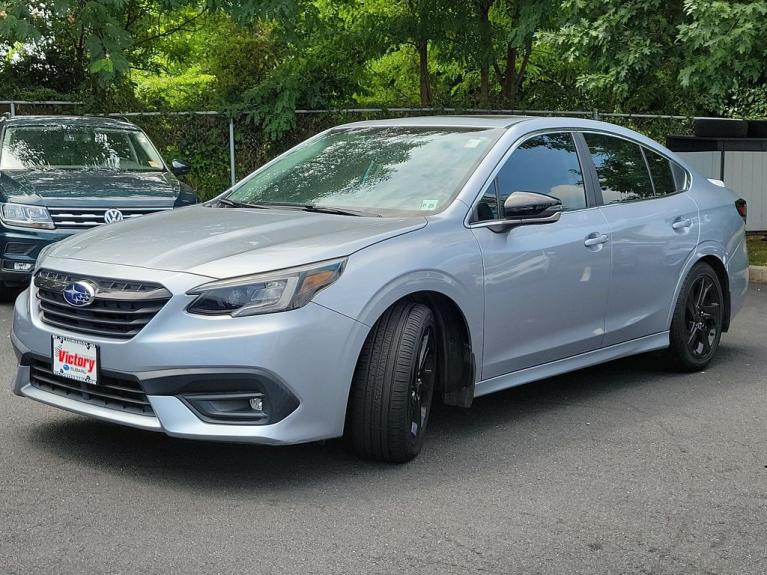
[26, 216]
[269, 292]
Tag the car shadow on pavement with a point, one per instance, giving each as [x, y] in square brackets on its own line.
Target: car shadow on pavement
[612, 393]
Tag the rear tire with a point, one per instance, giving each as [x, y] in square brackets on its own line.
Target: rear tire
[696, 326]
[393, 385]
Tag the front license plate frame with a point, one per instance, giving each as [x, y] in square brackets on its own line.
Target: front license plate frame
[75, 359]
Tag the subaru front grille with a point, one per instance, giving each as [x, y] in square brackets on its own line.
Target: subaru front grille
[119, 309]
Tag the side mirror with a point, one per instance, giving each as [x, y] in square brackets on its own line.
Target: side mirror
[524, 209]
[179, 168]
[528, 206]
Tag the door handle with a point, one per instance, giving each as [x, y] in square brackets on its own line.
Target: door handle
[682, 223]
[595, 239]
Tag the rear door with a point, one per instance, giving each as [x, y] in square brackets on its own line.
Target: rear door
[653, 226]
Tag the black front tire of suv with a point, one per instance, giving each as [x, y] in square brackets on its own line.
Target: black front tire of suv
[393, 384]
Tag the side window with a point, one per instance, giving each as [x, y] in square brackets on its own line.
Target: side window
[546, 164]
[621, 169]
[681, 177]
[487, 208]
[667, 176]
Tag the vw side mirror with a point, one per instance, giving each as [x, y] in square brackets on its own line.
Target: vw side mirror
[179, 168]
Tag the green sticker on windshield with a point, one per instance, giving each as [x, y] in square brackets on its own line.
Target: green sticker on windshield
[429, 204]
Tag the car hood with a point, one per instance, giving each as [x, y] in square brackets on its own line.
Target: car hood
[72, 187]
[228, 242]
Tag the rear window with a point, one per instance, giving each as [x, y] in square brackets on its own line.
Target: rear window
[621, 168]
[667, 176]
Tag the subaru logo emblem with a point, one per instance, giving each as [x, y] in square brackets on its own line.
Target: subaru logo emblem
[112, 215]
[79, 294]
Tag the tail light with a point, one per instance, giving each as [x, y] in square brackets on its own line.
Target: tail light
[742, 208]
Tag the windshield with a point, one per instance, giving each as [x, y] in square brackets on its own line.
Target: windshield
[77, 148]
[385, 171]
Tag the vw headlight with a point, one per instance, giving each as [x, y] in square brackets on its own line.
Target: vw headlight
[269, 292]
[26, 216]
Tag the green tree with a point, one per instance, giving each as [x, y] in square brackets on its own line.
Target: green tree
[498, 37]
[84, 45]
[419, 24]
[725, 49]
[629, 48]
[517, 23]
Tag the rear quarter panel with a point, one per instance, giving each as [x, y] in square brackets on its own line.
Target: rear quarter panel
[722, 235]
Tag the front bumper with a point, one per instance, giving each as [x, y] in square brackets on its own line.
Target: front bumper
[18, 246]
[310, 353]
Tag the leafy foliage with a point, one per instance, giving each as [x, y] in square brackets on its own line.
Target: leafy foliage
[726, 45]
[628, 47]
[269, 57]
[261, 60]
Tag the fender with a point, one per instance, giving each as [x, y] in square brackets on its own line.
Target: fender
[426, 281]
[703, 249]
[450, 265]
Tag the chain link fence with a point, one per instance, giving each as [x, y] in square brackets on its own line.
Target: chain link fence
[222, 148]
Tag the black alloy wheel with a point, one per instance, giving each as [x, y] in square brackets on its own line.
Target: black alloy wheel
[696, 326]
[703, 316]
[422, 386]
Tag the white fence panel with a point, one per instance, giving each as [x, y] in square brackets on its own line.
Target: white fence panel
[746, 174]
[707, 163]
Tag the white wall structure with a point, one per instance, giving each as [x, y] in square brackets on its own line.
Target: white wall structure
[707, 163]
[744, 172]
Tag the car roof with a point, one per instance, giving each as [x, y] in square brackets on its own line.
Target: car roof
[86, 121]
[468, 121]
[520, 124]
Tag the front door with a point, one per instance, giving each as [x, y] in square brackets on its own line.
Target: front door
[546, 285]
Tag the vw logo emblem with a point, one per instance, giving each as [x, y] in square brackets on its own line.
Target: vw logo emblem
[79, 294]
[112, 215]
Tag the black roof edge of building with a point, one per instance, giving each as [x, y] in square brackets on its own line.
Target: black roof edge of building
[697, 144]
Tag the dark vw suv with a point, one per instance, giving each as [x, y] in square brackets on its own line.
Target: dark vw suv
[60, 175]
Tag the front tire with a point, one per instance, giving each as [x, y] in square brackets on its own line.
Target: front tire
[696, 326]
[393, 384]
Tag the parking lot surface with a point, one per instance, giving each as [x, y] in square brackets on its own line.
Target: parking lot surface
[621, 468]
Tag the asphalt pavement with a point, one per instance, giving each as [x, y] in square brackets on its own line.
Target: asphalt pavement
[621, 468]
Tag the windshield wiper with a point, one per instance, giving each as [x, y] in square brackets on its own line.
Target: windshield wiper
[339, 211]
[233, 204]
[297, 206]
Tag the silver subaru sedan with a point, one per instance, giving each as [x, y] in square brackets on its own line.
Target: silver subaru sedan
[379, 267]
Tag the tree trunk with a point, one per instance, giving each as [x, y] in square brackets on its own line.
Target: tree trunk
[485, 52]
[510, 77]
[423, 71]
[484, 86]
[517, 88]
